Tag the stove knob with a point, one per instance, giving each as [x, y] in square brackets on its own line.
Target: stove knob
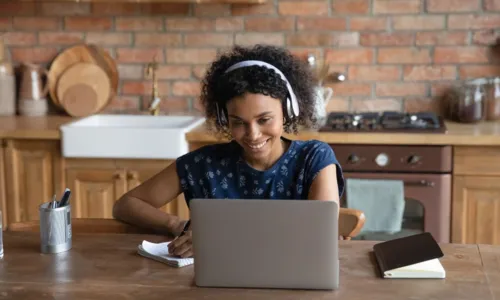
[353, 158]
[382, 159]
[413, 159]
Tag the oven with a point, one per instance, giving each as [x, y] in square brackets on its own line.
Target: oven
[426, 174]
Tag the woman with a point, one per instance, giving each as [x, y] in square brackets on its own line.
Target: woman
[252, 96]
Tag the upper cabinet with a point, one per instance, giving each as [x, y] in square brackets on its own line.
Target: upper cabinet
[161, 1]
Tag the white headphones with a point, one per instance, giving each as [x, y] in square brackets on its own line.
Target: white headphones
[291, 106]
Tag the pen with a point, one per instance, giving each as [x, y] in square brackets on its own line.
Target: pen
[53, 203]
[65, 197]
[186, 226]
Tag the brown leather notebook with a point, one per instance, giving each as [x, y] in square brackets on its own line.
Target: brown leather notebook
[415, 256]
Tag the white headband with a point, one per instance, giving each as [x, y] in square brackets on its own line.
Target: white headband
[248, 63]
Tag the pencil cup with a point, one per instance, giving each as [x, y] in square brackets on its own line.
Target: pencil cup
[55, 228]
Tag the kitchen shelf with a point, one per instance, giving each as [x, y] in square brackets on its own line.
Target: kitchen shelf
[158, 1]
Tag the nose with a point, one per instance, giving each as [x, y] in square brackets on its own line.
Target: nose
[253, 132]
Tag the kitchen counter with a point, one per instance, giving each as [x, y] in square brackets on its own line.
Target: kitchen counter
[485, 134]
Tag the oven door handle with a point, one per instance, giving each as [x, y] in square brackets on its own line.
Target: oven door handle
[422, 183]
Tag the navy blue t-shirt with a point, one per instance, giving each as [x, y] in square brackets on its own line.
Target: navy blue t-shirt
[219, 171]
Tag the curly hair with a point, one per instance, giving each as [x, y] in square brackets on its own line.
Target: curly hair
[218, 87]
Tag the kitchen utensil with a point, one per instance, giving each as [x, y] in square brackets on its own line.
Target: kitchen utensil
[77, 54]
[32, 86]
[55, 228]
[7, 84]
[322, 97]
[493, 99]
[470, 101]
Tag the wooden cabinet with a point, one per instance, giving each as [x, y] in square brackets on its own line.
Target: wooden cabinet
[33, 173]
[97, 183]
[476, 195]
[3, 206]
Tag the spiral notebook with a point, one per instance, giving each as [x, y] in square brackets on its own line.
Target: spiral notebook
[159, 252]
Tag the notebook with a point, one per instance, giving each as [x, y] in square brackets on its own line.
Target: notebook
[159, 252]
[414, 256]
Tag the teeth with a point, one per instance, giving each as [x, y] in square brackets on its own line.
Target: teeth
[257, 146]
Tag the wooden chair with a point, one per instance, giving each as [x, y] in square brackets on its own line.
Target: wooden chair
[350, 223]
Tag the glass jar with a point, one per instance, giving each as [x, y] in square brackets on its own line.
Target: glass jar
[493, 100]
[471, 101]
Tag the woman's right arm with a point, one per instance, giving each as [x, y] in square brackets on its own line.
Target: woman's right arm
[140, 206]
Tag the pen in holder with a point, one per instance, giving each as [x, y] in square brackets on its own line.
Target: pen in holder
[55, 228]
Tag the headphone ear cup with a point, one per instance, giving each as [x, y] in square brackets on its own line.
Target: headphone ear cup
[221, 115]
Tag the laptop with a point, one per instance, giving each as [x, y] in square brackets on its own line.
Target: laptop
[287, 244]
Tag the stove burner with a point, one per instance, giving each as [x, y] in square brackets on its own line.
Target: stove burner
[387, 121]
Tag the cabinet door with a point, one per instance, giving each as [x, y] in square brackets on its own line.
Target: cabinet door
[2, 185]
[476, 210]
[33, 170]
[94, 191]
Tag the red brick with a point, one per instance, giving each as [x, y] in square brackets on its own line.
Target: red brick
[116, 9]
[139, 55]
[169, 104]
[138, 24]
[130, 71]
[60, 38]
[144, 88]
[368, 23]
[313, 8]
[418, 22]
[64, 9]
[199, 71]
[337, 104]
[36, 23]
[475, 71]
[485, 37]
[400, 89]
[349, 56]
[190, 56]
[16, 8]
[345, 39]
[474, 21]
[270, 24]
[173, 72]
[446, 55]
[109, 38]
[167, 9]
[309, 39]
[158, 39]
[492, 5]
[243, 39]
[20, 38]
[5, 24]
[123, 104]
[366, 105]
[229, 24]
[403, 56]
[87, 23]
[186, 88]
[412, 105]
[425, 73]
[321, 23]
[374, 73]
[396, 6]
[212, 10]
[208, 39]
[352, 89]
[190, 24]
[441, 38]
[453, 5]
[251, 9]
[387, 39]
[34, 55]
[303, 52]
[351, 7]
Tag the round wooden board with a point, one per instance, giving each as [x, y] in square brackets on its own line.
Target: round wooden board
[89, 74]
[80, 100]
[77, 54]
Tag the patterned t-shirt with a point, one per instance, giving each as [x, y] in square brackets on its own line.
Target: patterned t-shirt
[219, 171]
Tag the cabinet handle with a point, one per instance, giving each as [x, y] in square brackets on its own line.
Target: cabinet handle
[119, 176]
[132, 176]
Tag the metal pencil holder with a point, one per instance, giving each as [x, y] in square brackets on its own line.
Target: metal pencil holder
[55, 228]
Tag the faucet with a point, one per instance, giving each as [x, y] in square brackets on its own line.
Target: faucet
[154, 107]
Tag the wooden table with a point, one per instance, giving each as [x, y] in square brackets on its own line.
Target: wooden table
[106, 266]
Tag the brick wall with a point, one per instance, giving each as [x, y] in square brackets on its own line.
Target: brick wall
[397, 54]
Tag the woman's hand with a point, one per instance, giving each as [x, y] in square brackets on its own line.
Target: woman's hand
[182, 245]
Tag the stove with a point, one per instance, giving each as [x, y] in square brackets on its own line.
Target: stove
[387, 121]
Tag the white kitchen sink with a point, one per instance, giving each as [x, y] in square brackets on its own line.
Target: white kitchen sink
[128, 136]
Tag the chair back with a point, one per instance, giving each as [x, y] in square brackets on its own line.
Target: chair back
[351, 222]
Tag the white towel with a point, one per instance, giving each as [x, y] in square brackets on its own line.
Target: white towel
[382, 202]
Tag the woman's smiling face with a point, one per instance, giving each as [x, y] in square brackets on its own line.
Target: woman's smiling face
[256, 124]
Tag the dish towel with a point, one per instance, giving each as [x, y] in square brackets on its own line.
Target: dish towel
[159, 252]
[382, 202]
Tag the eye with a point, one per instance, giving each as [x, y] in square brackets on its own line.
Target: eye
[264, 120]
[236, 122]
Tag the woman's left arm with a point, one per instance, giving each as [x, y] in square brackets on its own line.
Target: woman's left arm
[324, 185]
